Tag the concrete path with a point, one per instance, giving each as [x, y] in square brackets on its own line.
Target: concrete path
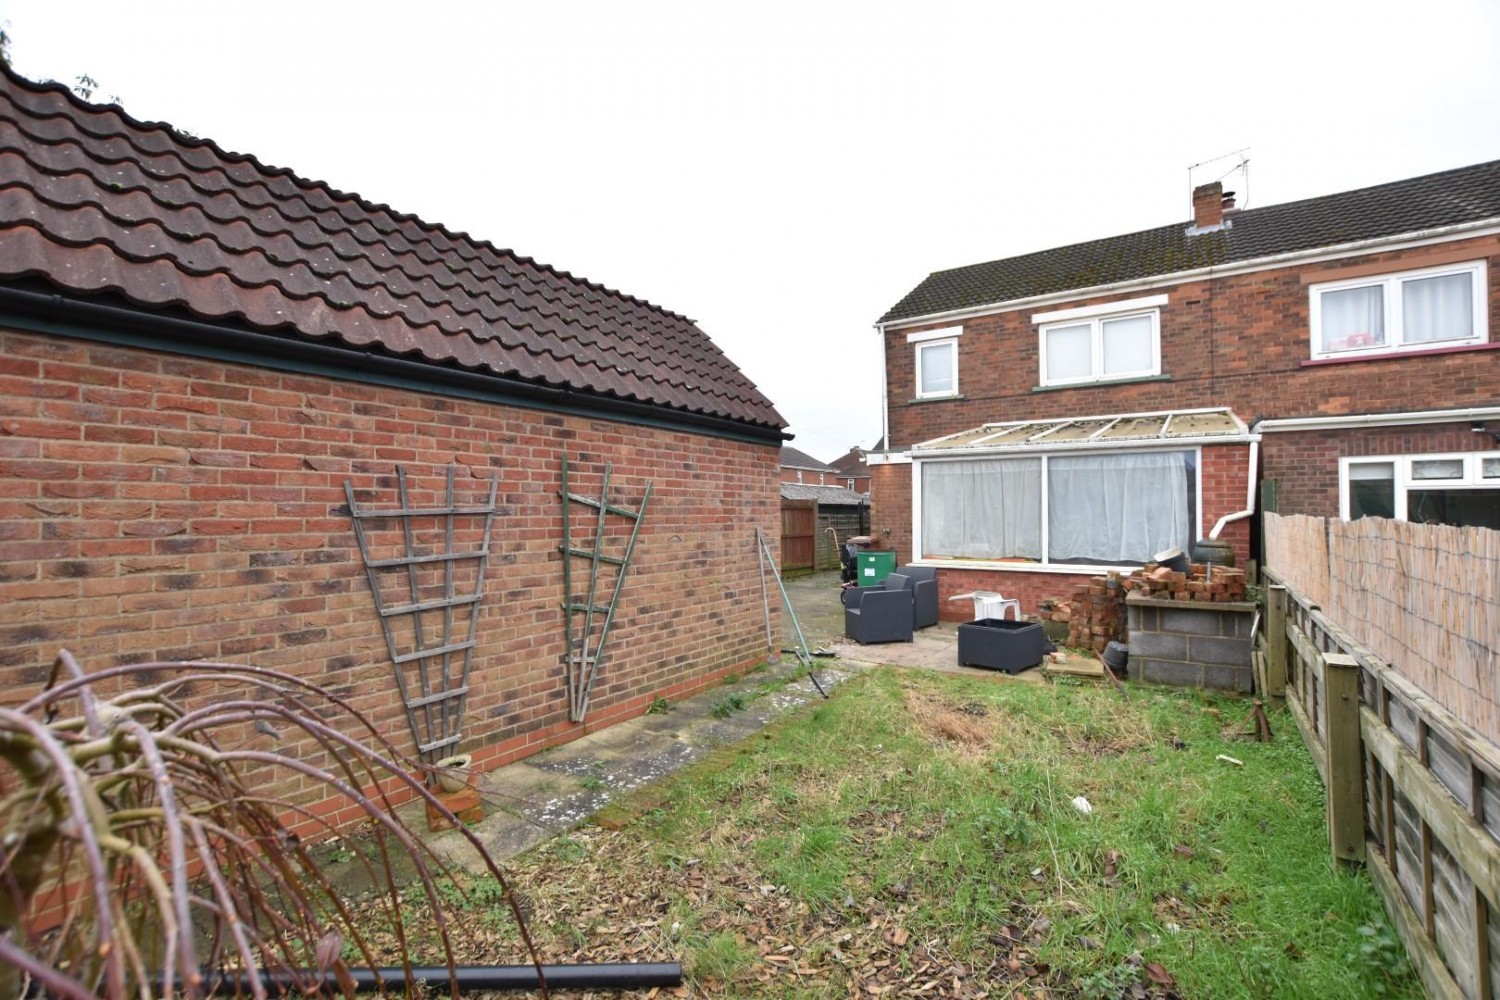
[556, 790]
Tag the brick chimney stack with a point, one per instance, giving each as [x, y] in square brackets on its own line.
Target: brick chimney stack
[1208, 206]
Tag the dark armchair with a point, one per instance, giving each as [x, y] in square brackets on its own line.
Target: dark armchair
[924, 590]
[879, 614]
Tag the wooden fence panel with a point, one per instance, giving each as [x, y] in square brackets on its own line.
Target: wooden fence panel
[1416, 781]
[1424, 598]
[799, 524]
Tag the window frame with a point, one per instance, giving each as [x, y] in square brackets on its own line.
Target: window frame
[924, 339]
[1473, 477]
[1044, 565]
[1096, 317]
[1391, 285]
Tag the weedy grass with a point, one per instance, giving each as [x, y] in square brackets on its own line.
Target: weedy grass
[921, 828]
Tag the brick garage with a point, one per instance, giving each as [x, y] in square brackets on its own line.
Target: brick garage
[178, 420]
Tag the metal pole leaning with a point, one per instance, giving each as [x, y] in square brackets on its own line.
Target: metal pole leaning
[803, 653]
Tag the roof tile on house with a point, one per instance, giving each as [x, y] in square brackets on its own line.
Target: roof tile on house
[791, 458]
[94, 202]
[828, 496]
[1453, 197]
[851, 463]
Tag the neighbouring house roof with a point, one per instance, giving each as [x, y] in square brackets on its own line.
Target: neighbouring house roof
[791, 458]
[826, 496]
[851, 463]
[1131, 430]
[1453, 197]
[95, 204]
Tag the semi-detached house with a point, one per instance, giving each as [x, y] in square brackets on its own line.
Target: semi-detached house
[1072, 410]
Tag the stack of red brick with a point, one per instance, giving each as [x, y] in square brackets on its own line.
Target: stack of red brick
[1096, 611]
[1095, 614]
[1201, 583]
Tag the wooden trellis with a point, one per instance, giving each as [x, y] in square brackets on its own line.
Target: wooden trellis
[431, 665]
[587, 621]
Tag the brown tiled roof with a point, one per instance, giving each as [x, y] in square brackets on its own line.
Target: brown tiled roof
[93, 202]
[1453, 197]
[792, 458]
[851, 463]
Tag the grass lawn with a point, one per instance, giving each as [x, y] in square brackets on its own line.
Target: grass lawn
[916, 836]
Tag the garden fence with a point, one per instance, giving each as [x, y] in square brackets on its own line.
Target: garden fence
[1413, 787]
[1425, 598]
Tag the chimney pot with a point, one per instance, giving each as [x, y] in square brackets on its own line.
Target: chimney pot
[1208, 206]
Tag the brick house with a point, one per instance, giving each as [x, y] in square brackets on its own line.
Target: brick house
[1079, 408]
[852, 471]
[800, 467]
[197, 352]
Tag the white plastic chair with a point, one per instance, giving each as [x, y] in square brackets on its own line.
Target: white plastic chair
[988, 604]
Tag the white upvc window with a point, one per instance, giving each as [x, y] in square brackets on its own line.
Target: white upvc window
[1070, 509]
[1460, 489]
[1117, 340]
[936, 361]
[1409, 311]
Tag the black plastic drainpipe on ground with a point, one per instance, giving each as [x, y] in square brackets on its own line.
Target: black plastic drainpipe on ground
[599, 976]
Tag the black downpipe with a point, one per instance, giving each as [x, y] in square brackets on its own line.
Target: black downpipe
[600, 976]
[52, 307]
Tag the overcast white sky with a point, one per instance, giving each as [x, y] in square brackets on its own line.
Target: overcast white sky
[784, 172]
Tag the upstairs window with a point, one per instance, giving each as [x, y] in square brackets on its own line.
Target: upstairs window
[1411, 311]
[1118, 340]
[936, 361]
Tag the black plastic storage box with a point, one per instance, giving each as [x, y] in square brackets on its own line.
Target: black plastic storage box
[1000, 644]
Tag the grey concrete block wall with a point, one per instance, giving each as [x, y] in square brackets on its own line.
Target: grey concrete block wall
[1190, 643]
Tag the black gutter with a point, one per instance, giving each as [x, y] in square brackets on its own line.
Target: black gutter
[156, 331]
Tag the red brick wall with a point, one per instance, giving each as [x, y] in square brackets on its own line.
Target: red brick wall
[1029, 588]
[810, 477]
[1225, 479]
[890, 508]
[160, 507]
[1306, 469]
[1240, 341]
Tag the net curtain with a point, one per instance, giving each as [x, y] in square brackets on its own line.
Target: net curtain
[984, 509]
[1119, 508]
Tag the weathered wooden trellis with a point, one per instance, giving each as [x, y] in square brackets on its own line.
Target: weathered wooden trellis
[587, 621]
[434, 688]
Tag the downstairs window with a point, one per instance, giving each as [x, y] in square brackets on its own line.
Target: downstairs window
[1461, 490]
[1116, 508]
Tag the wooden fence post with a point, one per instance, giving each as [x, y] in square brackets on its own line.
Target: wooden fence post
[1345, 777]
[1276, 641]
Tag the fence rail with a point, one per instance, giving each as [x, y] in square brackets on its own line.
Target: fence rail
[1413, 787]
